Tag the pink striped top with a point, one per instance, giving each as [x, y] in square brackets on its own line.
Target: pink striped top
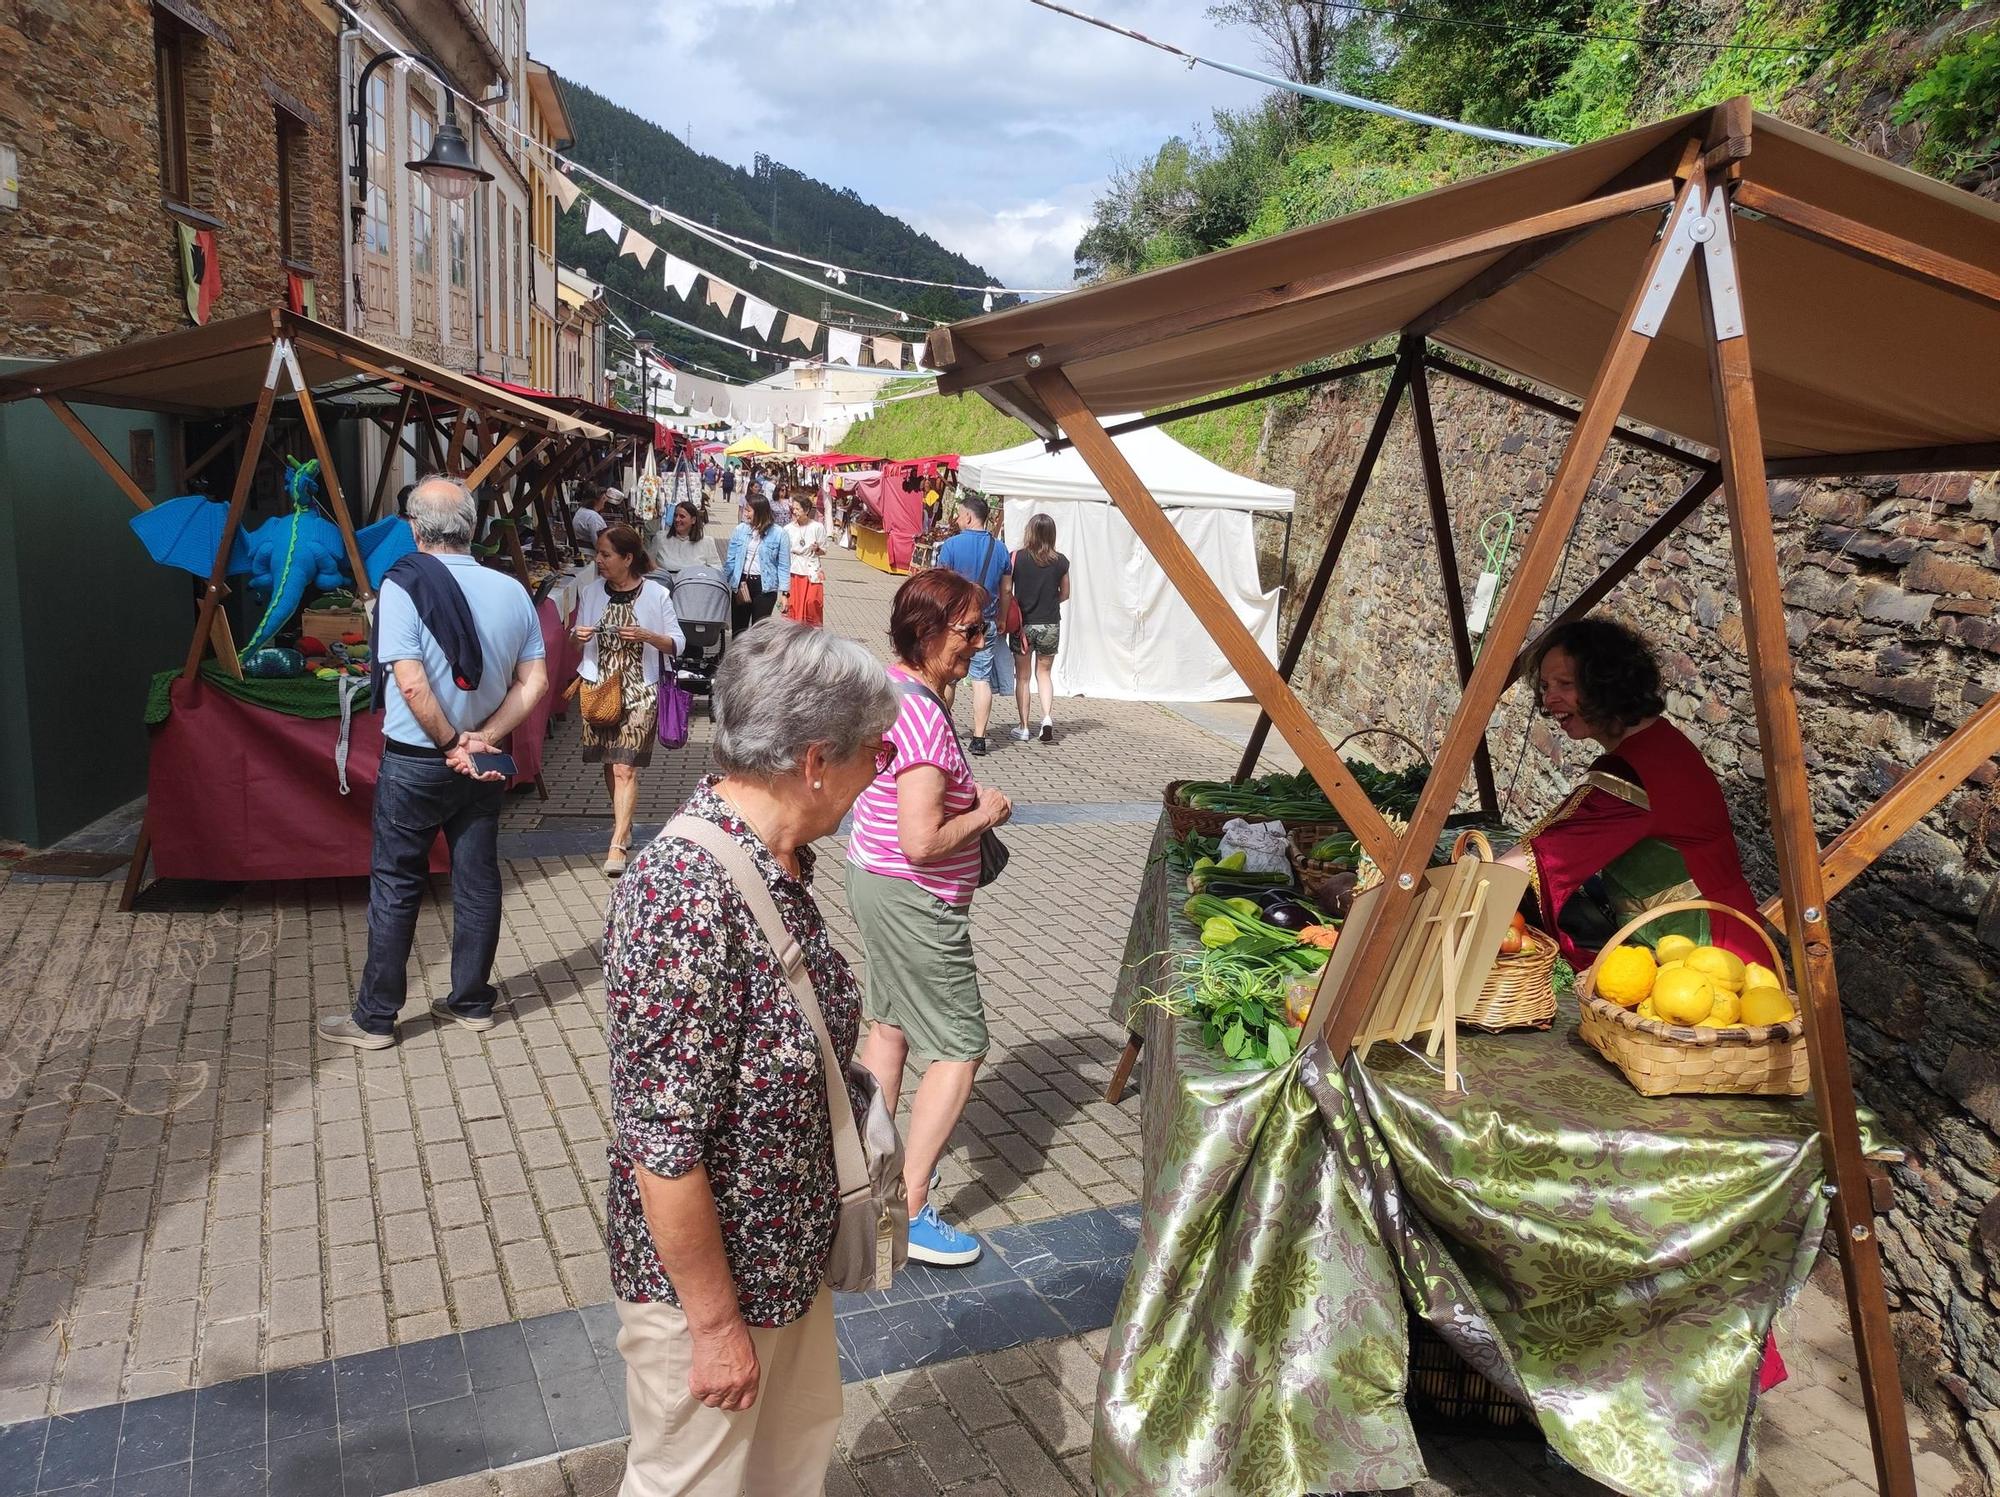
[922, 735]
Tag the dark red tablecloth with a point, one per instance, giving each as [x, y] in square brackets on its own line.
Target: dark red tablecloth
[239, 792]
[563, 658]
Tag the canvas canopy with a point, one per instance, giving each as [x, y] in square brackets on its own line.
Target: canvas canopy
[1846, 346]
[1127, 634]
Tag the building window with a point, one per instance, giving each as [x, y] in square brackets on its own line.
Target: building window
[423, 222]
[498, 331]
[520, 292]
[172, 44]
[291, 158]
[376, 227]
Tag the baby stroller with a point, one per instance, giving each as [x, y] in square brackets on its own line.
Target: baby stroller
[701, 599]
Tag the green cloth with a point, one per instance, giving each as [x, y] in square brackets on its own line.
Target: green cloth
[1613, 1261]
[295, 696]
[1653, 872]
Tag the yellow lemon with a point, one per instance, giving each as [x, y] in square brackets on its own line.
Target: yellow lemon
[1722, 968]
[1711, 1022]
[1728, 1008]
[1646, 1010]
[1757, 975]
[1766, 1006]
[1672, 949]
[1683, 996]
[1626, 976]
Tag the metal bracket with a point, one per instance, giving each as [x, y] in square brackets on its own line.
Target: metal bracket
[1681, 241]
[1718, 263]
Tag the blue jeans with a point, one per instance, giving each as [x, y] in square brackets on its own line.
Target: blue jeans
[993, 663]
[415, 799]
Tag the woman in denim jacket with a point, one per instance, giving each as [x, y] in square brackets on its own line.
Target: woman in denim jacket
[759, 566]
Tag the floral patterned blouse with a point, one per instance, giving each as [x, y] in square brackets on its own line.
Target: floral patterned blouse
[713, 1063]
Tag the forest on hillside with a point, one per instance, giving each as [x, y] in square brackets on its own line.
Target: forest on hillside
[769, 202]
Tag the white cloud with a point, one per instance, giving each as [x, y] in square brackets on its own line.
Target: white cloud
[987, 123]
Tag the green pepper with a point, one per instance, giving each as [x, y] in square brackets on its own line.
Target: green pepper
[1217, 932]
[1234, 862]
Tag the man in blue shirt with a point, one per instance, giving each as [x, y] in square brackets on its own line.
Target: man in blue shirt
[976, 553]
[441, 711]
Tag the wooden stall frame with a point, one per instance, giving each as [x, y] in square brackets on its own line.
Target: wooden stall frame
[1809, 876]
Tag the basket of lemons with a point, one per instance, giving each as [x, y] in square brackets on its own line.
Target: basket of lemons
[1678, 1018]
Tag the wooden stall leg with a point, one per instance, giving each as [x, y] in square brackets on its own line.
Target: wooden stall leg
[87, 439]
[135, 875]
[1192, 581]
[1786, 793]
[1587, 443]
[1336, 541]
[330, 480]
[1114, 1091]
[239, 498]
[390, 450]
[1447, 549]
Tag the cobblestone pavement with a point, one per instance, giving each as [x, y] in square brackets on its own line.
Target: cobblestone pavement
[193, 1190]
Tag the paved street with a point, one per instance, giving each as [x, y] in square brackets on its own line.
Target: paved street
[384, 1272]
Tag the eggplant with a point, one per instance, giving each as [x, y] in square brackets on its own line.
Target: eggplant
[1291, 915]
[1222, 888]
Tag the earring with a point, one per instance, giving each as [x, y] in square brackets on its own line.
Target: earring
[819, 784]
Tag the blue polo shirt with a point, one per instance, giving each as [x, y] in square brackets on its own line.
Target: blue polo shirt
[503, 615]
[967, 554]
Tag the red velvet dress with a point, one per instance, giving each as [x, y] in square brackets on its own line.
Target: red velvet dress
[1652, 819]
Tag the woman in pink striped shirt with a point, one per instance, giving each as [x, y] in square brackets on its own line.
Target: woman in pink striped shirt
[912, 867]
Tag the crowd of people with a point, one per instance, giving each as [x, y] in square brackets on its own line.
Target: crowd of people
[726, 1195]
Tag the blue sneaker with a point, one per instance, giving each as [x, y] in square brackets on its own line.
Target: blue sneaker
[931, 1241]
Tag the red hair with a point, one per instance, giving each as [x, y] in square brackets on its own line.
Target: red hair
[925, 607]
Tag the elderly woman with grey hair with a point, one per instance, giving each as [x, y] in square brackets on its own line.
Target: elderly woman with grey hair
[723, 1191]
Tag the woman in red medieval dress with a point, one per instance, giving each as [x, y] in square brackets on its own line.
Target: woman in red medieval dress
[1647, 826]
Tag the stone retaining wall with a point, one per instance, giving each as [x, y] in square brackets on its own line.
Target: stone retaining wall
[1892, 588]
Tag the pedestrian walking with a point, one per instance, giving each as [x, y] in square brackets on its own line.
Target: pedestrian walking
[728, 487]
[464, 649]
[1041, 586]
[806, 537]
[913, 862]
[626, 624]
[976, 554]
[759, 565]
[723, 1188]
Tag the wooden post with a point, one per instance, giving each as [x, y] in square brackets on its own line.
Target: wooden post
[88, 440]
[455, 454]
[493, 457]
[390, 450]
[1505, 635]
[135, 872]
[239, 498]
[1336, 541]
[331, 481]
[1789, 798]
[1193, 583]
[214, 450]
[1447, 548]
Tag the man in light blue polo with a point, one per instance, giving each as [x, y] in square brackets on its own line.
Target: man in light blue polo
[466, 653]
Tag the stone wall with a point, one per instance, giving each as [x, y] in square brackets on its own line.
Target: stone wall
[90, 259]
[1892, 589]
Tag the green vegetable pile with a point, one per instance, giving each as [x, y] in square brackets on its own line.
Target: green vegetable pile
[1239, 1001]
[1294, 798]
[1234, 925]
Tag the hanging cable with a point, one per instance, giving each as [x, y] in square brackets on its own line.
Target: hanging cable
[1311, 91]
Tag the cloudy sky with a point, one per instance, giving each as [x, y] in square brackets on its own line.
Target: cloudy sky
[988, 124]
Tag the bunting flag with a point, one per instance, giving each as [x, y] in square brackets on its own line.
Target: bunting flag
[566, 191]
[843, 348]
[601, 220]
[721, 295]
[681, 276]
[800, 330]
[201, 271]
[887, 352]
[638, 246]
[920, 356]
[759, 315]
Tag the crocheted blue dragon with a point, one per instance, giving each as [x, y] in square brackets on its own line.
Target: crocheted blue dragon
[294, 554]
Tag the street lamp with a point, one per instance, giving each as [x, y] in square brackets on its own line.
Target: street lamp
[642, 345]
[448, 166]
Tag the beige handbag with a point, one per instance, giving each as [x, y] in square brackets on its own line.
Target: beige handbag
[871, 1237]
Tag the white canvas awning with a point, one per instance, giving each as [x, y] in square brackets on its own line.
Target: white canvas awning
[1176, 475]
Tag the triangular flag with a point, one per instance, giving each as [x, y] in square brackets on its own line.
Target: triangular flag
[566, 191]
[917, 359]
[681, 275]
[601, 220]
[759, 315]
[987, 304]
[843, 348]
[638, 246]
[800, 330]
[886, 351]
[721, 295]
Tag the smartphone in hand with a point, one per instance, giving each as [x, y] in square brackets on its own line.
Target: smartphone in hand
[502, 764]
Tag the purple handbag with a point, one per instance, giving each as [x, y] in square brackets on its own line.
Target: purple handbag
[676, 706]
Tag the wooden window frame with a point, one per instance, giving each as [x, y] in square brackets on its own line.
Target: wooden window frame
[171, 39]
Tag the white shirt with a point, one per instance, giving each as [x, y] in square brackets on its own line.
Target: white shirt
[808, 543]
[652, 610]
[586, 526]
[676, 552]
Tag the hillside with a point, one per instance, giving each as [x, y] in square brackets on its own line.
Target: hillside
[770, 203]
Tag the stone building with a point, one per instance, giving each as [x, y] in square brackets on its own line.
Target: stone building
[129, 120]
[1893, 597]
[581, 316]
[548, 123]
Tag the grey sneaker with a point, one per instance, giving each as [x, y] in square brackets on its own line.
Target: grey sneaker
[1021, 734]
[445, 1014]
[341, 1029]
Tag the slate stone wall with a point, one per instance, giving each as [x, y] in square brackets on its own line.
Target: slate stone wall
[1892, 588]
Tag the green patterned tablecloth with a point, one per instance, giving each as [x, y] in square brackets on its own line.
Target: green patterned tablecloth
[1613, 1261]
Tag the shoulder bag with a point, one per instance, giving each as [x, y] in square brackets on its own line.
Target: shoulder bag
[1009, 621]
[993, 854]
[602, 700]
[871, 1237]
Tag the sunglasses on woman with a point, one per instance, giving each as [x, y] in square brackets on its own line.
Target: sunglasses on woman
[970, 632]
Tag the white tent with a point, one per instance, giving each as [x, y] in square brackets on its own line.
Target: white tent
[1127, 635]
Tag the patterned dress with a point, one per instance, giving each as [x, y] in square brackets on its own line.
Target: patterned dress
[630, 739]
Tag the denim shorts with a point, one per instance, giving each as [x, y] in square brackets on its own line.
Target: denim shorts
[993, 663]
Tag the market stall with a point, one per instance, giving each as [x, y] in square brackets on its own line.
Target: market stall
[1128, 635]
[894, 496]
[1873, 299]
[270, 776]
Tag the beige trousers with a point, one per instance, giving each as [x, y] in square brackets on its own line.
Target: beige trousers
[778, 1447]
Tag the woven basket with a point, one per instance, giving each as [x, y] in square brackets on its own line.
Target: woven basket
[1520, 991]
[1185, 819]
[1661, 1059]
[1380, 732]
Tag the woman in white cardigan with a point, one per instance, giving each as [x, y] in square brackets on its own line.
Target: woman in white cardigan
[628, 630]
